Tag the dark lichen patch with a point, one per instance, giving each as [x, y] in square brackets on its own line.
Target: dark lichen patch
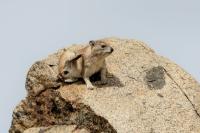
[155, 78]
[86, 118]
[49, 108]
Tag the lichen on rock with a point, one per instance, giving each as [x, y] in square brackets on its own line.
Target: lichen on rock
[49, 108]
[155, 77]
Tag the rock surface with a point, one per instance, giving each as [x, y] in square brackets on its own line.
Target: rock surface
[147, 94]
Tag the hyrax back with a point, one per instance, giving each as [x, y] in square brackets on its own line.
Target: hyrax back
[85, 62]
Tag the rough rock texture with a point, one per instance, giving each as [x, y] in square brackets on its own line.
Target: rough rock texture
[146, 94]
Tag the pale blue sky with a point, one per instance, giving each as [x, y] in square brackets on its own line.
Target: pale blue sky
[32, 29]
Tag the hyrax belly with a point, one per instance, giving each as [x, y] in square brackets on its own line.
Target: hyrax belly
[93, 68]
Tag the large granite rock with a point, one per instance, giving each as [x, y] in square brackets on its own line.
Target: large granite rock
[147, 93]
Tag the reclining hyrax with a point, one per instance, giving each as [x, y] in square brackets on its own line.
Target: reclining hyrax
[85, 62]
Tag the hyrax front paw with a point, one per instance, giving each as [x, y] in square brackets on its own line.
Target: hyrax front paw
[91, 87]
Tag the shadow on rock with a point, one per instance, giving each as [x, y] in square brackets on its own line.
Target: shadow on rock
[112, 81]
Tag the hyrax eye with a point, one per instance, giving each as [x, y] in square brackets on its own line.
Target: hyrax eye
[66, 72]
[103, 46]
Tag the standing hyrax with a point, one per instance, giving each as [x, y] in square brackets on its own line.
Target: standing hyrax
[85, 62]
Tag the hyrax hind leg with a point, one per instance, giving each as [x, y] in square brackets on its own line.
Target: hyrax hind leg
[89, 85]
[103, 74]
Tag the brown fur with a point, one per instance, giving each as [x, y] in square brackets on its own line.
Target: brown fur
[85, 62]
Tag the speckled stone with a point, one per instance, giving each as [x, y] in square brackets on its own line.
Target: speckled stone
[146, 94]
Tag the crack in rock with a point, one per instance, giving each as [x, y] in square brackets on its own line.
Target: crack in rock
[184, 93]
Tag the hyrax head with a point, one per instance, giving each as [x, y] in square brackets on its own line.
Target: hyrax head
[69, 73]
[100, 49]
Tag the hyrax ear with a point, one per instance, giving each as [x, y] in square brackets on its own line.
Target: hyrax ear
[76, 57]
[92, 43]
